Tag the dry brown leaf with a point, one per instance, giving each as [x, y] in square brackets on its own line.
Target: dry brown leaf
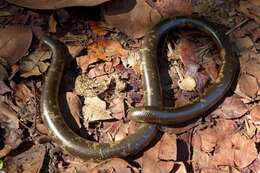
[168, 147]
[172, 8]
[29, 161]
[4, 88]
[75, 106]
[248, 85]
[133, 18]
[251, 8]
[255, 114]
[54, 4]
[165, 149]
[33, 64]
[52, 24]
[15, 42]
[101, 69]
[23, 93]
[97, 29]
[117, 108]
[75, 50]
[233, 107]
[94, 109]
[101, 50]
[252, 66]
[114, 166]
[10, 123]
[3, 72]
[244, 43]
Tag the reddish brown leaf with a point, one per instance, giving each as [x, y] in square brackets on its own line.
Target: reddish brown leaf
[29, 161]
[255, 114]
[251, 8]
[75, 106]
[248, 85]
[23, 93]
[172, 8]
[97, 29]
[117, 108]
[133, 18]
[233, 107]
[15, 42]
[168, 147]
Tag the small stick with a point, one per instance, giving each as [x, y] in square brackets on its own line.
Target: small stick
[237, 26]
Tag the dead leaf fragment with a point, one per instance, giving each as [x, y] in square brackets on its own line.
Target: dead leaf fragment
[244, 43]
[4, 88]
[248, 85]
[233, 107]
[15, 42]
[75, 106]
[168, 147]
[94, 109]
[117, 108]
[251, 9]
[255, 114]
[114, 166]
[29, 161]
[33, 64]
[54, 4]
[52, 24]
[172, 8]
[133, 18]
[23, 93]
[97, 28]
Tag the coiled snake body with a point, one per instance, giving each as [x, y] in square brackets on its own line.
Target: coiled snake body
[152, 112]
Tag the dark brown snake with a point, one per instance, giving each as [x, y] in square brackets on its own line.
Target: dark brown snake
[153, 111]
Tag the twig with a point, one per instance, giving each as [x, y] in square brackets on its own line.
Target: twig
[237, 26]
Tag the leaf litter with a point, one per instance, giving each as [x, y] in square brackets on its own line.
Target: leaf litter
[109, 84]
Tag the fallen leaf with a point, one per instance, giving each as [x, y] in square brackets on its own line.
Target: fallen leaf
[23, 93]
[15, 42]
[33, 64]
[11, 136]
[75, 106]
[50, 4]
[155, 159]
[251, 9]
[117, 108]
[172, 8]
[244, 43]
[52, 24]
[101, 50]
[4, 88]
[133, 18]
[255, 166]
[255, 114]
[29, 161]
[233, 107]
[168, 147]
[89, 87]
[114, 166]
[248, 85]
[94, 109]
[101, 69]
[97, 28]
[75, 50]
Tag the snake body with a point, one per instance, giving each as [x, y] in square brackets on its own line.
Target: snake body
[152, 49]
[152, 112]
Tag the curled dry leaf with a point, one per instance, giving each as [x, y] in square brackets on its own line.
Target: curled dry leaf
[101, 50]
[29, 161]
[94, 109]
[10, 124]
[133, 18]
[114, 166]
[15, 42]
[75, 106]
[33, 64]
[172, 8]
[233, 107]
[54, 4]
[89, 87]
